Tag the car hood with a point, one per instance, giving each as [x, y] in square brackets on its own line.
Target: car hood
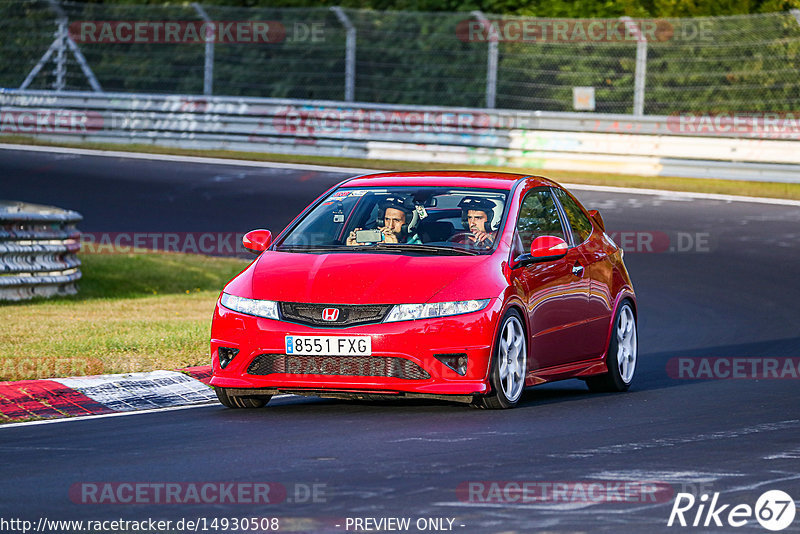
[344, 278]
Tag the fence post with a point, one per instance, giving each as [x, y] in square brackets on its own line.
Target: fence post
[350, 54]
[641, 65]
[58, 46]
[796, 13]
[67, 40]
[61, 56]
[208, 70]
[491, 60]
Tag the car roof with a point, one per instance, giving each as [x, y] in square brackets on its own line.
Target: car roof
[478, 179]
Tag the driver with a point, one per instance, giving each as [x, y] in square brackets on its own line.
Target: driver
[476, 216]
[396, 213]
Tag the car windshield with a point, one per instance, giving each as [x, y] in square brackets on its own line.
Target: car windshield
[417, 220]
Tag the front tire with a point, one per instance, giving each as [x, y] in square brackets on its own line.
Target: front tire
[235, 401]
[509, 365]
[622, 354]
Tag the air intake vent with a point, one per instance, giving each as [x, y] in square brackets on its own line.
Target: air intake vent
[391, 367]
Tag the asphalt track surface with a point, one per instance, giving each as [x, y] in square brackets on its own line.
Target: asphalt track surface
[734, 295]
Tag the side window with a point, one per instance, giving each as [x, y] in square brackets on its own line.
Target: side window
[580, 223]
[538, 216]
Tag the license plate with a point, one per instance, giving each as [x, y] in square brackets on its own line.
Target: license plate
[329, 345]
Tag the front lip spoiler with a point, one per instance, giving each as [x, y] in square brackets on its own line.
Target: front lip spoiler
[349, 394]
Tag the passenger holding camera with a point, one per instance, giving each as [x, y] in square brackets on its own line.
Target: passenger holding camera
[397, 214]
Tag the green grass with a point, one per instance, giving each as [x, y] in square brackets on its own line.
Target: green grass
[700, 185]
[134, 312]
[142, 275]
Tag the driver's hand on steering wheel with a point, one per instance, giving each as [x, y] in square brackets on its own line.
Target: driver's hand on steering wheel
[478, 237]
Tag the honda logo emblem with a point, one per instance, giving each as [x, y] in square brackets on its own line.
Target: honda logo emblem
[330, 314]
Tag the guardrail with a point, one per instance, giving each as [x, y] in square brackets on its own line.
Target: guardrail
[37, 251]
[678, 145]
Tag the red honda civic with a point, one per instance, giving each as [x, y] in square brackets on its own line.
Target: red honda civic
[464, 286]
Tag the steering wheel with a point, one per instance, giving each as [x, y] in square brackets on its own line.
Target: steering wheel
[463, 238]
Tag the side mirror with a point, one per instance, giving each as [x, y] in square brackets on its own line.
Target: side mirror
[548, 247]
[594, 214]
[257, 241]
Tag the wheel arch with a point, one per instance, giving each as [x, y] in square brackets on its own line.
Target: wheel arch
[514, 303]
[496, 397]
[626, 294]
[517, 305]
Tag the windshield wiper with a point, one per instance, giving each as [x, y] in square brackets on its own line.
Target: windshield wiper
[431, 249]
[328, 248]
[388, 247]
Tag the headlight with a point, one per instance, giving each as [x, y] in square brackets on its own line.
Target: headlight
[409, 312]
[259, 308]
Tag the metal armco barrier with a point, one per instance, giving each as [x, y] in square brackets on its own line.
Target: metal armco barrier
[585, 142]
[37, 251]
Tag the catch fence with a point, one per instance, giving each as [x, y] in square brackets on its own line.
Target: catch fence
[468, 59]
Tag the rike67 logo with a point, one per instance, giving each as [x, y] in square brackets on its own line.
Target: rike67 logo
[774, 510]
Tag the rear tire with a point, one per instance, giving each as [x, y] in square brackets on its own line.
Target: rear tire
[509, 365]
[236, 401]
[622, 354]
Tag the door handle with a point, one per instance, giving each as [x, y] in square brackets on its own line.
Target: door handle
[577, 269]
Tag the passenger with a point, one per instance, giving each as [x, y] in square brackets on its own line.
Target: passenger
[397, 215]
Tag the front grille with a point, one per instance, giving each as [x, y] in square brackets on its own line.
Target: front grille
[390, 367]
[349, 315]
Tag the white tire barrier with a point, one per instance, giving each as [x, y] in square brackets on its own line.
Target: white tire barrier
[38, 246]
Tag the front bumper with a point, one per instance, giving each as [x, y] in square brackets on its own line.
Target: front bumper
[417, 341]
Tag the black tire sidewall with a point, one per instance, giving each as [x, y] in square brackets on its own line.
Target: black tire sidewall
[255, 401]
